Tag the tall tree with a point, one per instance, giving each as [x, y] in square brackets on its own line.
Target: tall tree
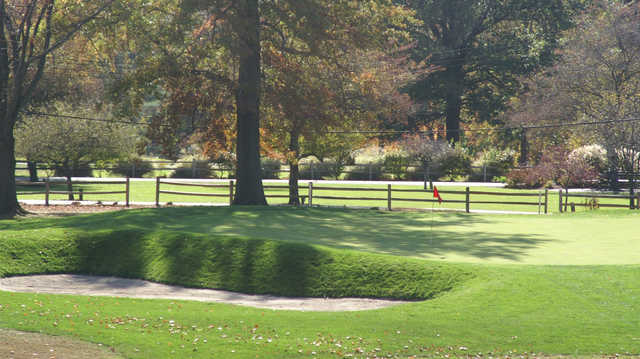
[234, 34]
[481, 47]
[30, 30]
[597, 81]
[249, 190]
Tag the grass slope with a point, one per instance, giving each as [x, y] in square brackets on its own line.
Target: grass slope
[231, 263]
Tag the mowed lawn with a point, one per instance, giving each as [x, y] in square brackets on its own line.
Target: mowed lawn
[522, 285]
[589, 238]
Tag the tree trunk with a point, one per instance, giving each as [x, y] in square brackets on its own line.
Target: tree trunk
[70, 188]
[9, 206]
[294, 169]
[249, 190]
[453, 97]
[33, 171]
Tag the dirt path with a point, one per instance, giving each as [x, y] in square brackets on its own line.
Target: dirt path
[133, 288]
[20, 345]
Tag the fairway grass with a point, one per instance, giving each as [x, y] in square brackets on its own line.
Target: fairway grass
[497, 285]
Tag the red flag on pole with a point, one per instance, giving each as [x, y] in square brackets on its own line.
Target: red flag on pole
[436, 194]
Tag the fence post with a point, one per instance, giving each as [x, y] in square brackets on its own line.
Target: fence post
[539, 202]
[632, 199]
[231, 186]
[81, 194]
[127, 190]
[389, 197]
[546, 201]
[47, 187]
[560, 200]
[157, 191]
[424, 175]
[638, 206]
[310, 194]
[468, 200]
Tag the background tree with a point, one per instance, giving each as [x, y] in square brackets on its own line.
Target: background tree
[29, 33]
[427, 152]
[68, 143]
[596, 81]
[219, 45]
[481, 47]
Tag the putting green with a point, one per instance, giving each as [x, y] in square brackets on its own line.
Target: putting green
[588, 238]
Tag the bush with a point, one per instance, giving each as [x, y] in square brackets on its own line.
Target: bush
[396, 164]
[270, 168]
[498, 162]
[202, 170]
[455, 163]
[363, 173]
[595, 155]
[126, 167]
[524, 178]
[82, 170]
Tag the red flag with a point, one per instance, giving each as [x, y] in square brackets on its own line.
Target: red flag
[436, 194]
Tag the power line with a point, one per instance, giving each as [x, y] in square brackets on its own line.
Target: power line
[488, 129]
[364, 132]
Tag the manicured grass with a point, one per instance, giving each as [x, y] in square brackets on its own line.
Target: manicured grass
[590, 238]
[231, 263]
[482, 307]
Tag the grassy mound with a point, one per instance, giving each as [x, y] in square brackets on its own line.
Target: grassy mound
[231, 263]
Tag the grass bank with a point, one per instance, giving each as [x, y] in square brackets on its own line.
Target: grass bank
[235, 263]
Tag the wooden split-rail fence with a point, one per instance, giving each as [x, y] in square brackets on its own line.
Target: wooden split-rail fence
[47, 191]
[393, 196]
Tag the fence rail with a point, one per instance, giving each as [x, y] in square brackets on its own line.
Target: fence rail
[632, 198]
[394, 197]
[313, 193]
[81, 192]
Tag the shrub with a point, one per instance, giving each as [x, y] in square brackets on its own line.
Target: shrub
[595, 155]
[455, 163]
[396, 164]
[270, 168]
[202, 170]
[363, 172]
[498, 162]
[81, 170]
[524, 178]
[126, 167]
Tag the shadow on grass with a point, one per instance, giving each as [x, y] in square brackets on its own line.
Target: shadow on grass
[403, 234]
[235, 264]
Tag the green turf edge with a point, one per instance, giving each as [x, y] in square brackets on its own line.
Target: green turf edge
[252, 266]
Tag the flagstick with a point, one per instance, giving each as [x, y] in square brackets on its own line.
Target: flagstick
[433, 206]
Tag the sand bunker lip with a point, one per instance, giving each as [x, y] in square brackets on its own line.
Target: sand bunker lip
[135, 288]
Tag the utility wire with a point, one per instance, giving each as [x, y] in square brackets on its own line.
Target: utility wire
[366, 132]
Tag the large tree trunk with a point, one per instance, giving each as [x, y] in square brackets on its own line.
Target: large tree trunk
[454, 90]
[9, 206]
[294, 169]
[249, 190]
